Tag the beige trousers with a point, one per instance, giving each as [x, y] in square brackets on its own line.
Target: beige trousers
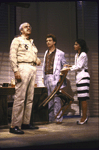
[24, 92]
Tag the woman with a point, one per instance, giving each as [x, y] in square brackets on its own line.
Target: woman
[82, 76]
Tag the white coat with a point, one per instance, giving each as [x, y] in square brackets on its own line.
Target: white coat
[80, 65]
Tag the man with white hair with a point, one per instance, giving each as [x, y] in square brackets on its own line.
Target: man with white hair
[23, 59]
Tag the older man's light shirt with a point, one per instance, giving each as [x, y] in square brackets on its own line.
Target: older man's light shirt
[22, 50]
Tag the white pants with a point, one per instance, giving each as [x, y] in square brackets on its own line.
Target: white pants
[24, 92]
[54, 105]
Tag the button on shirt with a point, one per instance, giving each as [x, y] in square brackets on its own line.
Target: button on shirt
[22, 50]
[49, 62]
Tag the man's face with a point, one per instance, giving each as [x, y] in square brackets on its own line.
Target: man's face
[26, 29]
[50, 42]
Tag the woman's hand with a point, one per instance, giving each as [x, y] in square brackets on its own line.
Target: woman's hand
[64, 70]
[67, 65]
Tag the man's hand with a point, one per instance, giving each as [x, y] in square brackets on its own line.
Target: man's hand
[38, 62]
[43, 80]
[17, 75]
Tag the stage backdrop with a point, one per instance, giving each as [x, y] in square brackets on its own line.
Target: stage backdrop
[68, 21]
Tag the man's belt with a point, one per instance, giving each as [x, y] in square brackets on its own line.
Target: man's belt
[86, 70]
[31, 63]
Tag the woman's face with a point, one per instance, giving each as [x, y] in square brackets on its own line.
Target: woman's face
[77, 47]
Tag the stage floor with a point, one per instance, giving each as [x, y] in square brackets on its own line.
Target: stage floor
[67, 135]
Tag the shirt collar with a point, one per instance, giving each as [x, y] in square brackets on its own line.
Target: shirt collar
[53, 51]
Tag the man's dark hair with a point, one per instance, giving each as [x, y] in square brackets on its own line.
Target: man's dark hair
[52, 36]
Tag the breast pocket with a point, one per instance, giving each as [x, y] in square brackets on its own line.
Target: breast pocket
[23, 47]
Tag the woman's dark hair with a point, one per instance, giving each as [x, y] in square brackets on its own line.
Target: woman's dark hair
[83, 45]
[52, 36]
